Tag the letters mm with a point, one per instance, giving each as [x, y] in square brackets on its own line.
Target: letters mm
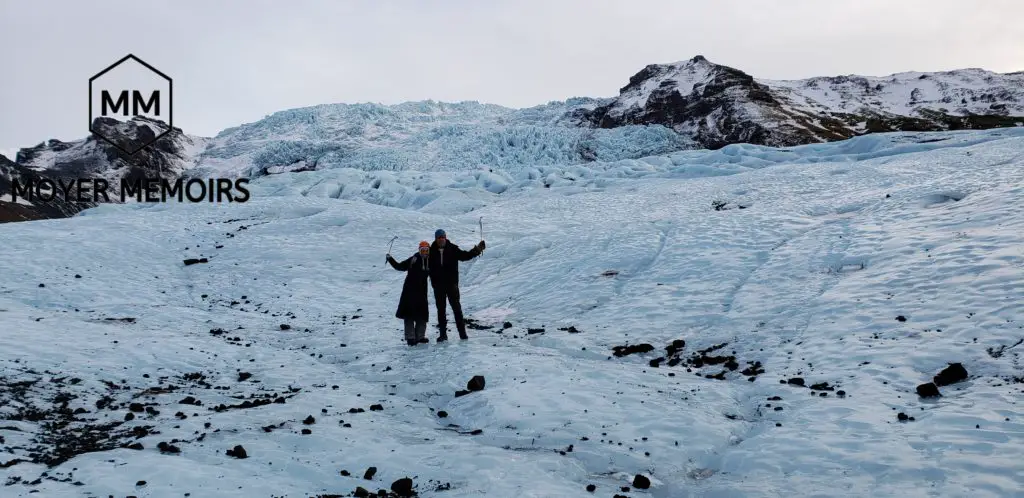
[154, 101]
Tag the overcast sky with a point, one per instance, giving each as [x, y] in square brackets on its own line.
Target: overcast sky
[235, 61]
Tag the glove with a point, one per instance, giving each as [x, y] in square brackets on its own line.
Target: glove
[388, 258]
[481, 245]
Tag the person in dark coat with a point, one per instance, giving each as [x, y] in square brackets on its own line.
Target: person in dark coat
[413, 307]
[444, 278]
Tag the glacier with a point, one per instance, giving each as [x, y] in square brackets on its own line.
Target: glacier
[867, 265]
[427, 136]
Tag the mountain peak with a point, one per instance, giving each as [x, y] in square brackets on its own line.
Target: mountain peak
[718, 105]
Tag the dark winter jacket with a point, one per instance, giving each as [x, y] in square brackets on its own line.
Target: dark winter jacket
[444, 263]
[413, 303]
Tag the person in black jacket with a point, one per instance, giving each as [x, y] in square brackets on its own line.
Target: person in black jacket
[444, 278]
[412, 307]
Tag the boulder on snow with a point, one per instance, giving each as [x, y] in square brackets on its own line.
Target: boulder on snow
[676, 346]
[928, 390]
[952, 374]
[238, 452]
[641, 482]
[621, 351]
[402, 487]
[476, 383]
[370, 472]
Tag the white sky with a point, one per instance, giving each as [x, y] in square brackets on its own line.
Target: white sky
[235, 61]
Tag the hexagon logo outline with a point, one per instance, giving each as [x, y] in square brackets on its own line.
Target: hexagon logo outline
[170, 103]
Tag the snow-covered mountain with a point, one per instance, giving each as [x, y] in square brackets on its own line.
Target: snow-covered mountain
[719, 105]
[748, 321]
[93, 157]
[665, 108]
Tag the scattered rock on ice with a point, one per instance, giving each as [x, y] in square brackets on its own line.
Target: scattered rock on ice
[476, 383]
[928, 390]
[641, 482]
[903, 417]
[238, 452]
[621, 351]
[952, 374]
[402, 487]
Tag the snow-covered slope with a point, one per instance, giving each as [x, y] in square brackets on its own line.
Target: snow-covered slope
[861, 267]
[719, 105]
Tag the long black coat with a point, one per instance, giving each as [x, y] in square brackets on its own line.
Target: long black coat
[413, 304]
[444, 264]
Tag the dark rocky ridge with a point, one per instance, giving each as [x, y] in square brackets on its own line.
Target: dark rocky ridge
[718, 105]
[94, 157]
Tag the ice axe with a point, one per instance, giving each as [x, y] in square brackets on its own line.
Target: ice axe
[481, 221]
[390, 244]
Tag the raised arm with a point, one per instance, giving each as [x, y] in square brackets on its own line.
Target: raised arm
[403, 266]
[470, 254]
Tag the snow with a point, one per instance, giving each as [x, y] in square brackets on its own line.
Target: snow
[960, 92]
[834, 242]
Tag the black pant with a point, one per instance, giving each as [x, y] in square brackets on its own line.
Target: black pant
[449, 294]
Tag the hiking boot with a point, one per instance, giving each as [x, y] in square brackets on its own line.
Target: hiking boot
[424, 340]
[442, 338]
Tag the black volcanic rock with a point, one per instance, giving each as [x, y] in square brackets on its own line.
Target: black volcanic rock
[477, 383]
[238, 452]
[928, 390]
[402, 487]
[952, 374]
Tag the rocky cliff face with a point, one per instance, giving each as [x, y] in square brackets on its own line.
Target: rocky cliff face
[719, 105]
[95, 158]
